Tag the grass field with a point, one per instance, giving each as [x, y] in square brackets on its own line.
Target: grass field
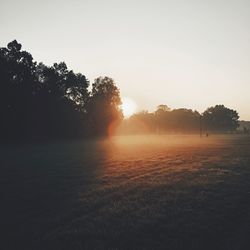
[152, 192]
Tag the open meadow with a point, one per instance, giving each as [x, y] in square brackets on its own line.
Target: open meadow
[131, 192]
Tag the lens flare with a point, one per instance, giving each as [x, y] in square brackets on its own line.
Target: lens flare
[128, 107]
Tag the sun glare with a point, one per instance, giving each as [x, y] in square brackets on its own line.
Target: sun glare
[128, 107]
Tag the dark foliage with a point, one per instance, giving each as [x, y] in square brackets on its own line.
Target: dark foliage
[103, 106]
[41, 102]
[220, 118]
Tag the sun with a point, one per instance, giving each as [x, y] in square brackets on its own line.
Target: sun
[128, 107]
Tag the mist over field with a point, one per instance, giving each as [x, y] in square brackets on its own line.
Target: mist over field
[127, 192]
[82, 169]
[124, 125]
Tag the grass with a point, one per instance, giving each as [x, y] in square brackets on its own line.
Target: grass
[152, 192]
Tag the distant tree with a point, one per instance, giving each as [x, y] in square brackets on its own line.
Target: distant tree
[221, 119]
[103, 107]
[184, 120]
[163, 120]
[176, 120]
[162, 108]
[161, 117]
[143, 122]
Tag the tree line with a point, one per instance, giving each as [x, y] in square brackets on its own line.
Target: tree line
[217, 119]
[44, 102]
[53, 102]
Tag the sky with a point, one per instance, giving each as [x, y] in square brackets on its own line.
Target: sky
[192, 54]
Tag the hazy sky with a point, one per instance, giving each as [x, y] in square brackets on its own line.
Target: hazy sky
[183, 53]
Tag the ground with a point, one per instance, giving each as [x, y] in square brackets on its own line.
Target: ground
[133, 192]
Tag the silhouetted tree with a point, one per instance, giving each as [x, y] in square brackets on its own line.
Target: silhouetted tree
[143, 122]
[103, 107]
[62, 97]
[39, 101]
[18, 88]
[184, 120]
[161, 117]
[164, 120]
[221, 119]
[177, 120]
[162, 108]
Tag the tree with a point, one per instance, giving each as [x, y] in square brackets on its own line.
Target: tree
[184, 120]
[39, 101]
[161, 117]
[221, 119]
[18, 87]
[162, 108]
[143, 122]
[103, 107]
[61, 100]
